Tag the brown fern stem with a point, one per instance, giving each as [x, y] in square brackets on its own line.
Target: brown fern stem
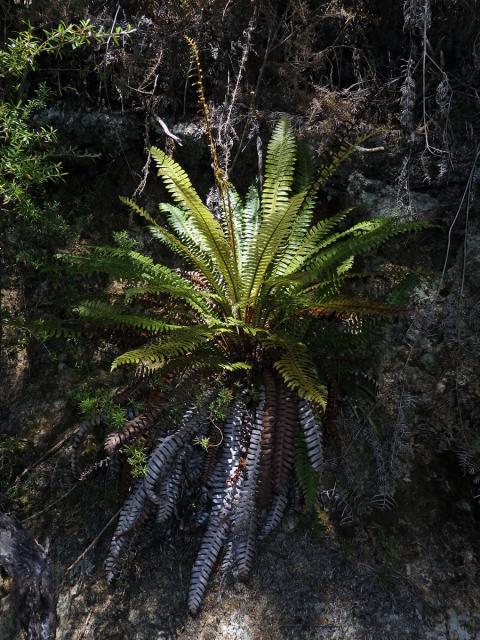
[129, 393]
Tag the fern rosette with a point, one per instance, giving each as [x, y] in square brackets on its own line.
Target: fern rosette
[267, 305]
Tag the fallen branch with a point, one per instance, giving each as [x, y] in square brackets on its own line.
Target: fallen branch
[167, 131]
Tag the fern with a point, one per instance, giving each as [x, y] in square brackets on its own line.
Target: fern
[279, 170]
[179, 186]
[272, 297]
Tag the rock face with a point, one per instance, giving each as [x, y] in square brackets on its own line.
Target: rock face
[33, 593]
[383, 200]
[408, 573]
[107, 132]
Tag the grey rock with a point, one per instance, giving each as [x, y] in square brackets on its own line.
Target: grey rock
[382, 199]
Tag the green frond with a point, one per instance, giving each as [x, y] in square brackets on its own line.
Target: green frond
[180, 188]
[360, 239]
[236, 214]
[182, 225]
[279, 169]
[330, 284]
[304, 218]
[190, 252]
[338, 158]
[41, 328]
[235, 366]
[300, 374]
[206, 359]
[251, 208]
[303, 245]
[308, 478]
[401, 293]
[273, 230]
[246, 222]
[136, 208]
[288, 341]
[122, 264]
[181, 342]
[103, 313]
[304, 168]
[193, 258]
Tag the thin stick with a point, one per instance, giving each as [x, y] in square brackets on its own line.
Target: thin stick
[460, 206]
[86, 625]
[111, 30]
[47, 508]
[48, 453]
[94, 541]
[370, 149]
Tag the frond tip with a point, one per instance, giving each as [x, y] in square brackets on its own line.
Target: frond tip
[300, 374]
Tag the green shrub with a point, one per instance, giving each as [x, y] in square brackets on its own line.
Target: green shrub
[31, 224]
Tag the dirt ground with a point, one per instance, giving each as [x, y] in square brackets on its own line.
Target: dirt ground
[408, 573]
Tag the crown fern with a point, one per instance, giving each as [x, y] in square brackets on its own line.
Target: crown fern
[268, 304]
